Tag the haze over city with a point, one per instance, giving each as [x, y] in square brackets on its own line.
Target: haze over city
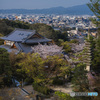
[39, 4]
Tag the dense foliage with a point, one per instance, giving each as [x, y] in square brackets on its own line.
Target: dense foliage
[80, 80]
[4, 28]
[63, 96]
[1, 41]
[65, 45]
[42, 89]
[39, 69]
[96, 57]
[5, 69]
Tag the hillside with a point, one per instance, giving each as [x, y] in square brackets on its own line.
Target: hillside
[75, 10]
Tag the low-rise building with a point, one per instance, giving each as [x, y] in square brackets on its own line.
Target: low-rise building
[22, 40]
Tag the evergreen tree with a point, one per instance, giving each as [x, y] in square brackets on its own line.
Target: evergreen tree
[80, 81]
[5, 70]
[94, 5]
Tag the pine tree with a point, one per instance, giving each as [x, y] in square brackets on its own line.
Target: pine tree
[5, 71]
[80, 81]
[94, 5]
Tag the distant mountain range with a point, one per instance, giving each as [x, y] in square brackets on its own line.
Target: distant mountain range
[75, 10]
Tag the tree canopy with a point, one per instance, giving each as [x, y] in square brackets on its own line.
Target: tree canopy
[42, 70]
[5, 69]
[94, 5]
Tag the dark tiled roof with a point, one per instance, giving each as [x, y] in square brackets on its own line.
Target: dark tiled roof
[37, 40]
[21, 38]
[23, 47]
[19, 35]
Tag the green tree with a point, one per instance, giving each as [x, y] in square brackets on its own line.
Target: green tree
[96, 55]
[94, 5]
[16, 24]
[62, 35]
[33, 66]
[4, 28]
[41, 70]
[55, 66]
[5, 69]
[74, 41]
[13, 58]
[66, 46]
[80, 81]
[43, 29]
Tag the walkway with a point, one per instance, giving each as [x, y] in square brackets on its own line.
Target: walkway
[65, 89]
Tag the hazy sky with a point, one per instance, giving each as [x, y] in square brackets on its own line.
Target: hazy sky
[39, 4]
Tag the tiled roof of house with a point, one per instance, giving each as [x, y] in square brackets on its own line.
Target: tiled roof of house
[19, 35]
[23, 47]
[23, 41]
[37, 40]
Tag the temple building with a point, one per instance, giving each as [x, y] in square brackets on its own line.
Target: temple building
[21, 40]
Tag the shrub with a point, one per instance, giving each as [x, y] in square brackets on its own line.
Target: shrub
[64, 96]
[28, 81]
[42, 89]
[57, 81]
[7, 81]
[74, 41]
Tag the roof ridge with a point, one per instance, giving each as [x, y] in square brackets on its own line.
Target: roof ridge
[20, 30]
[25, 29]
[28, 36]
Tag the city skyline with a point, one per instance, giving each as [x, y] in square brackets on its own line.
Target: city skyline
[39, 4]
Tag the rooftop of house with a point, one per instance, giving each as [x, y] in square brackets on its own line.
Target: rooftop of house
[19, 35]
[23, 39]
[24, 35]
[9, 49]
